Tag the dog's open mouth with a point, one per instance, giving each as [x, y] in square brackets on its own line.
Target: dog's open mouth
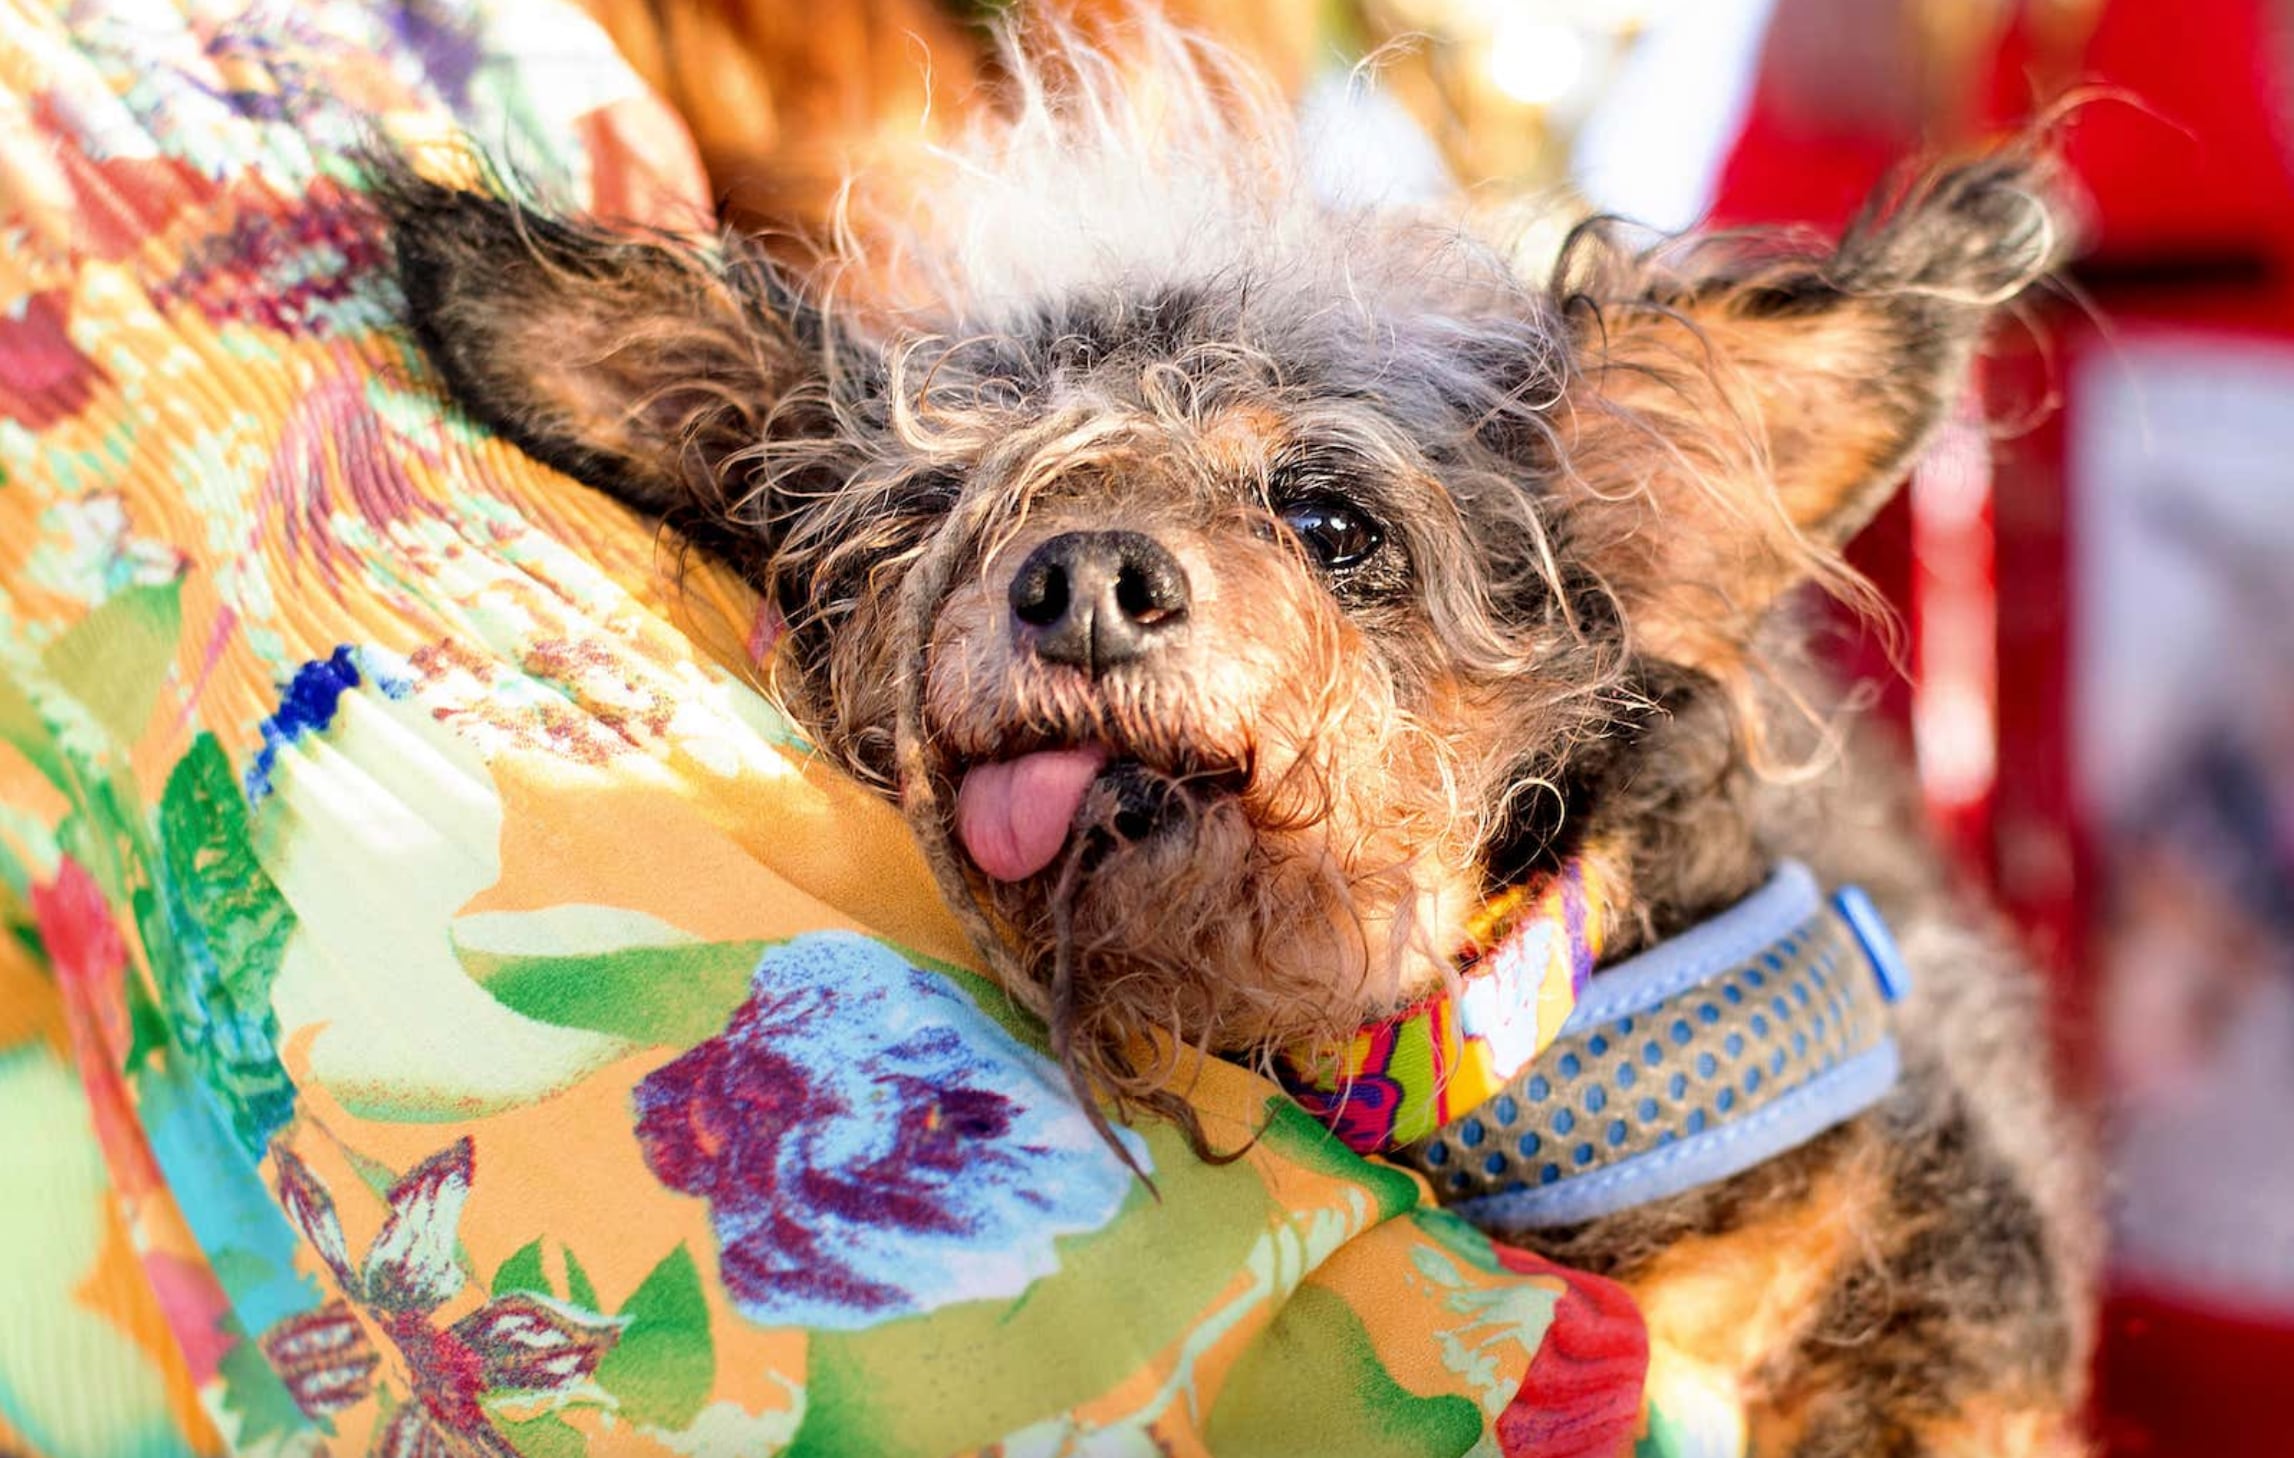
[1013, 815]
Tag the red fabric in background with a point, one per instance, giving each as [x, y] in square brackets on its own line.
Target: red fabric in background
[1781, 171]
[2178, 1383]
[2191, 167]
[2191, 197]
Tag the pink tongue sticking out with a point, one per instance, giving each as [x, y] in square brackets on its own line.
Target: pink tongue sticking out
[1013, 815]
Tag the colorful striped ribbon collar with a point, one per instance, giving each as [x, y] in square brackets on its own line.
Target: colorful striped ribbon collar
[1406, 1075]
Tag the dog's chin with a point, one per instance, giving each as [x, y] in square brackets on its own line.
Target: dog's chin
[1171, 902]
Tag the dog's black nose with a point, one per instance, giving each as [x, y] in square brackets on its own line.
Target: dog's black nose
[1096, 599]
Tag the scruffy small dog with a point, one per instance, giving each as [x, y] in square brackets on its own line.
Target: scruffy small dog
[1236, 591]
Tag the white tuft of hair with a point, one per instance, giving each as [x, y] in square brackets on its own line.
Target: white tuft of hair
[1140, 160]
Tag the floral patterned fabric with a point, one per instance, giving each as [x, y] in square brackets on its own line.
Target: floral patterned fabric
[443, 1010]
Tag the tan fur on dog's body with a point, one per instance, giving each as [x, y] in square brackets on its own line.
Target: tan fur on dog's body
[1114, 305]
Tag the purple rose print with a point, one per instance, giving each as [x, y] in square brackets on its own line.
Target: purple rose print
[872, 1145]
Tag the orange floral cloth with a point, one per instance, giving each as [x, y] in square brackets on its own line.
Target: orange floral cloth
[446, 1011]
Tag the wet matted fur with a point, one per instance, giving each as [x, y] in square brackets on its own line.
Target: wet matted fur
[1448, 573]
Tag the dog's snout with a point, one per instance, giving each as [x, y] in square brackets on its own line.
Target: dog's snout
[1097, 599]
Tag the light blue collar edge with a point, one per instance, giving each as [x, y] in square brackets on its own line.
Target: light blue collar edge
[1653, 978]
[1709, 948]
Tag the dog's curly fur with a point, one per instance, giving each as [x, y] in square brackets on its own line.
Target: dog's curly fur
[1589, 497]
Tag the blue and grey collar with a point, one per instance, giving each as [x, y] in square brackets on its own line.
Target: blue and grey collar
[1701, 1057]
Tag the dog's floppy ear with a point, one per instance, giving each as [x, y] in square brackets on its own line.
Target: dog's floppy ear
[1740, 410]
[636, 362]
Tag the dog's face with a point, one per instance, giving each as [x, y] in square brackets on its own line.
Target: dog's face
[1230, 629]
[1225, 689]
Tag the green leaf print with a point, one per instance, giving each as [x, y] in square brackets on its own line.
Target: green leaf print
[1314, 1384]
[23, 726]
[1294, 1134]
[661, 1370]
[228, 928]
[547, 1436]
[944, 1382]
[522, 1272]
[578, 1289]
[114, 660]
[673, 995]
[256, 1398]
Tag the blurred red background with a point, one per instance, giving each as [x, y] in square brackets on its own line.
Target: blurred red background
[2180, 157]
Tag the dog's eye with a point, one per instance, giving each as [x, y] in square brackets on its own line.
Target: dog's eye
[1338, 535]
